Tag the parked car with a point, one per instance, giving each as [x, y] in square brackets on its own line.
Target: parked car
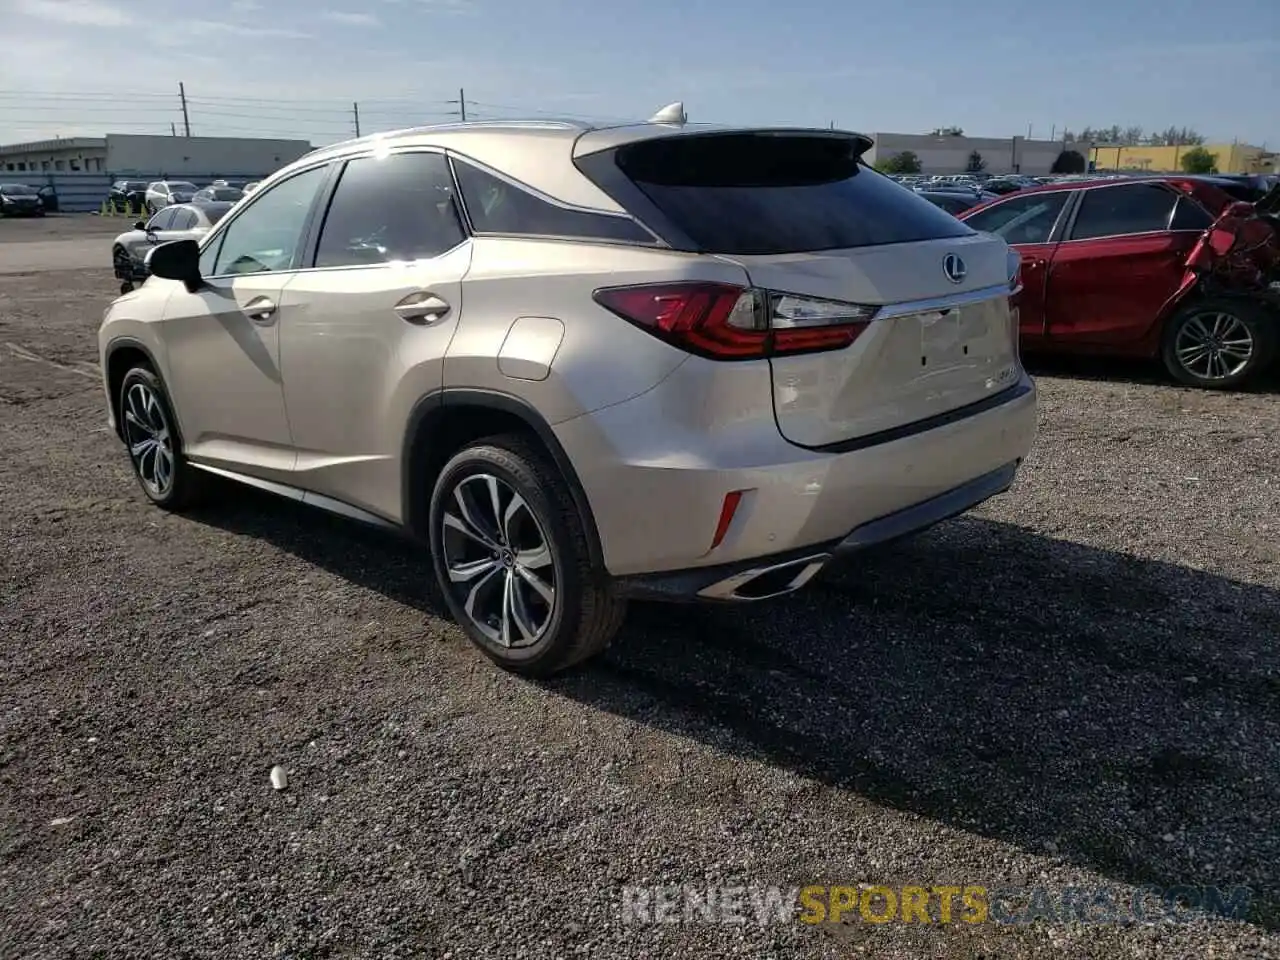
[163, 193]
[251, 186]
[20, 200]
[1002, 185]
[216, 193]
[185, 221]
[130, 195]
[1105, 271]
[952, 201]
[640, 361]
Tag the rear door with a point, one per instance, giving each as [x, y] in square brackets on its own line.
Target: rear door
[375, 309]
[825, 236]
[1123, 257]
[1032, 224]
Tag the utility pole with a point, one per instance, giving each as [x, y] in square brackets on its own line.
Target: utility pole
[462, 104]
[173, 129]
[355, 109]
[186, 120]
[1028, 131]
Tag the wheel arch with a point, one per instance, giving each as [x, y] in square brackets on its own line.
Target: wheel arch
[121, 355]
[444, 421]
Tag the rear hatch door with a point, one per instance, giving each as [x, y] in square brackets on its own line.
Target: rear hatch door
[804, 217]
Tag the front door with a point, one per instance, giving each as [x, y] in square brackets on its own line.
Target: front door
[223, 339]
[1028, 223]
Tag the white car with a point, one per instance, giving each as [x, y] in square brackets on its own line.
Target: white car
[251, 186]
[184, 221]
[165, 193]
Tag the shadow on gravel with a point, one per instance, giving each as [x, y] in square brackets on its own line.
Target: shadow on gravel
[363, 555]
[1119, 712]
[1122, 713]
[1117, 370]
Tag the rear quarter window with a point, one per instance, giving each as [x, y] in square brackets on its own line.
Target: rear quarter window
[497, 206]
[768, 193]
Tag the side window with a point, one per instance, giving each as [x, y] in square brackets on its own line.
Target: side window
[1025, 219]
[266, 235]
[496, 206]
[162, 219]
[1189, 215]
[396, 207]
[1115, 211]
[183, 220]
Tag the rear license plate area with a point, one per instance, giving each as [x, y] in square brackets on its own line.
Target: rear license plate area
[942, 337]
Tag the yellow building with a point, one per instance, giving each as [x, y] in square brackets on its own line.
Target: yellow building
[1231, 158]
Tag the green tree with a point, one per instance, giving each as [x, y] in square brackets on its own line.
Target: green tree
[1069, 161]
[975, 164]
[904, 162]
[1199, 160]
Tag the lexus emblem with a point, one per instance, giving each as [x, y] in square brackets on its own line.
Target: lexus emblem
[954, 268]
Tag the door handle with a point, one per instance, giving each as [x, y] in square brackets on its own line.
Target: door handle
[422, 308]
[260, 310]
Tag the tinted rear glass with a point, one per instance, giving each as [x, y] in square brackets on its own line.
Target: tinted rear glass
[768, 193]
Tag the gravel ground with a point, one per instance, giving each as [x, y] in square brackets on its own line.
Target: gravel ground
[1078, 684]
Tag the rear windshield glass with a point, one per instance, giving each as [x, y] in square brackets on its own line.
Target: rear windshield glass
[763, 193]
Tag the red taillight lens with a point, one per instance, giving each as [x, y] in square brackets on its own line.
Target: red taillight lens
[712, 319]
[727, 322]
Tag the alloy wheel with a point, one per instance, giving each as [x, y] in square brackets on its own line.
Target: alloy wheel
[150, 440]
[498, 561]
[1214, 346]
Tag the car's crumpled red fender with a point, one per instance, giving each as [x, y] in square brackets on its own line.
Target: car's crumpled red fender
[1240, 251]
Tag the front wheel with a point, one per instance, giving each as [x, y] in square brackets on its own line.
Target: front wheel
[1218, 343]
[149, 430]
[510, 554]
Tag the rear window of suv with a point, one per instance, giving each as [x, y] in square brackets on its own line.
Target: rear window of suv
[769, 193]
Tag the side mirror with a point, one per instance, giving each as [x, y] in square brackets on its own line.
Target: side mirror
[140, 225]
[177, 260]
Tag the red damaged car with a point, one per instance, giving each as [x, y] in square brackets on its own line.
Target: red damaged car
[1169, 267]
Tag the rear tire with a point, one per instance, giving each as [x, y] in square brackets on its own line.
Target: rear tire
[150, 434]
[510, 555]
[1219, 343]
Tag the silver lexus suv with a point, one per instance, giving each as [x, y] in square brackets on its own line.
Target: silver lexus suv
[583, 364]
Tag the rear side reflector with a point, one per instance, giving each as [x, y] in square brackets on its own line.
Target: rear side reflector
[728, 322]
[730, 507]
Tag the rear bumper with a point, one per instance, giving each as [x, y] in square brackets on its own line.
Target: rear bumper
[656, 471]
[772, 576]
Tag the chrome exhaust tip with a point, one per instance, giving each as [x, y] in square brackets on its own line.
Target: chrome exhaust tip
[764, 583]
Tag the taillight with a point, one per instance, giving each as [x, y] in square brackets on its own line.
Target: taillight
[727, 322]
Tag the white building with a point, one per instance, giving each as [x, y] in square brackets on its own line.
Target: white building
[144, 156]
[944, 154]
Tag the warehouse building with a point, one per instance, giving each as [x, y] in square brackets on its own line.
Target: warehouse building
[943, 154]
[144, 156]
[1228, 158]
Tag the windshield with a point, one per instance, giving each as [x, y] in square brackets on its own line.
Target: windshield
[17, 190]
[181, 186]
[216, 211]
[764, 193]
[225, 193]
